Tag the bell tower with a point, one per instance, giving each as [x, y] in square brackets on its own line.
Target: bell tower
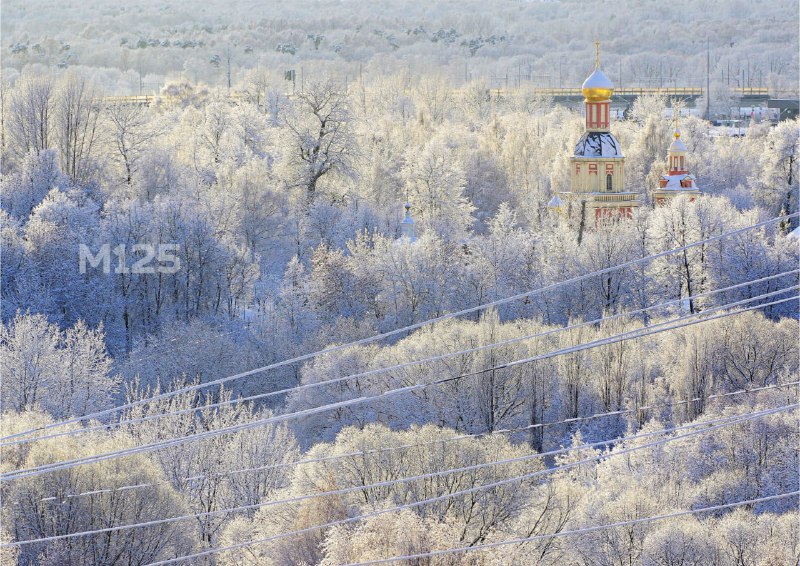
[597, 189]
[597, 90]
[677, 181]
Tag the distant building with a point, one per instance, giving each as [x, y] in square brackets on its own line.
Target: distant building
[597, 189]
[556, 204]
[677, 181]
[407, 227]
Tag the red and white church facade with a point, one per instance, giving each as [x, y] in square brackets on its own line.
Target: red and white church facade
[597, 188]
[678, 180]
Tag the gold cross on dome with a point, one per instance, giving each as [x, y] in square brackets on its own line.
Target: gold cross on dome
[597, 54]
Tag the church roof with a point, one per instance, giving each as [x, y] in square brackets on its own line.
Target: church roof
[674, 182]
[598, 144]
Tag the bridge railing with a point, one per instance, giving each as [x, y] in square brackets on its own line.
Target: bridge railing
[142, 99]
[751, 91]
[643, 91]
[635, 91]
[688, 91]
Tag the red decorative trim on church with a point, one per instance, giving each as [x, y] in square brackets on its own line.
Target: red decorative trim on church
[598, 115]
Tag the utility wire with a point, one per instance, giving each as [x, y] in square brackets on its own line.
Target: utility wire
[404, 329]
[44, 468]
[575, 532]
[475, 489]
[723, 421]
[558, 330]
[126, 422]
[456, 438]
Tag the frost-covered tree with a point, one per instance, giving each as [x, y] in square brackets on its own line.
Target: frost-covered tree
[65, 374]
[777, 182]
[436, 182]
[132, 131]
[64, 502]
[37, 175]
[77, 127]
[30, 121]
[223, 471]
[320, 142]
[469, 520]
[681, 275]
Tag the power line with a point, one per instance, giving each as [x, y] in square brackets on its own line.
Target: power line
[400, 366]
[475, 489]
[426, 443]
[582, 531]
[404, 329]
[724, 421]
[15, 474]
[44, 468]
[486, 346]
[454, 354]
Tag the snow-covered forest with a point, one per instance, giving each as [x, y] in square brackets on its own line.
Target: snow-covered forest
[143, 45]
[307, 385]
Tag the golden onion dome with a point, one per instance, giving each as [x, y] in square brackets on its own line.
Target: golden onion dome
[597, 87]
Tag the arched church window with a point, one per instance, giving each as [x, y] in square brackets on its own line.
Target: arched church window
[609, 183]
